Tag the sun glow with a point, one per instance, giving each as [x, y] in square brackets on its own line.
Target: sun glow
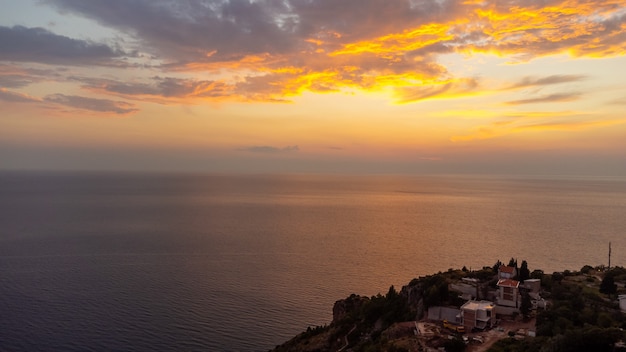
[314, 80]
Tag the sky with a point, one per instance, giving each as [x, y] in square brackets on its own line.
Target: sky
[521, 87]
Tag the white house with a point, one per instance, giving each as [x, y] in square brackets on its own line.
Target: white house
[508, 293]
[506, 272]
[477, 314]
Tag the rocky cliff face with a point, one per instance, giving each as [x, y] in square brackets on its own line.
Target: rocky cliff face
[414, 294]
[343, 307]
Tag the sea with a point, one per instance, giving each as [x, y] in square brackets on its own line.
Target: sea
[219, 262]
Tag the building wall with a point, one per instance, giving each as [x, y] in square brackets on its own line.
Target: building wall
[534, 285]
[482, 314]
[502, 310]
[444, 313]
[469, 319]
[508, 297]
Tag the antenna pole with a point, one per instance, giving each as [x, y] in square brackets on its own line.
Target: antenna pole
[609, 255]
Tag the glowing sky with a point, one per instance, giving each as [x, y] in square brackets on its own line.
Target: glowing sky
[372, 86]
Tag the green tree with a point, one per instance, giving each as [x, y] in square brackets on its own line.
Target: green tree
[513, 262]
[496, 266]
[587, 269]
[537, 274]
[392, 293]
[557, 277]
[524, 273]
[608, 285]
[526, 304]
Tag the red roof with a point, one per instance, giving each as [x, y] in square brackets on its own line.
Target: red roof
[508, 283]
[507, 269]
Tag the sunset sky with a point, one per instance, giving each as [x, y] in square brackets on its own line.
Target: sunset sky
[341, 86]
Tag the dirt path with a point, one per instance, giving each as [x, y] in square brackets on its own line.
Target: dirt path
[490, 337]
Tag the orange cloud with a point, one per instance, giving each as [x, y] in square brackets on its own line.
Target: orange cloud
[577, 27]
[537, 121]
[398, 43]
[444, 89]
[15, 97]
[406, 61]
[315, 46]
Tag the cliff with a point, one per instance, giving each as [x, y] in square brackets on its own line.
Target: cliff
[577, 309]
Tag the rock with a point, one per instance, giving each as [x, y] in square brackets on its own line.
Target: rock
[414, 294]
[343, 307]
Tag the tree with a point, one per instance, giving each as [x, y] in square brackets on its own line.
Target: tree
[587, 269]
[524, 273]
[496, 266]
[557, 277]
[513, 262]
[526, 304]
[537, 274]
[392, 293]
[608, 285]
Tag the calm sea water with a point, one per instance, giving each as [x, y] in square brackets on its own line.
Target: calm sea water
[243, 263]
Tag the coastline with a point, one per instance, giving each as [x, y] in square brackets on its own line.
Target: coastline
[539, 313]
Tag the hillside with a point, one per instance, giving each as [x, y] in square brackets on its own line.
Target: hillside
[562, 311]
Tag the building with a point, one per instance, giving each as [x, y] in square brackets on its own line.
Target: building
[532, 285]
[438, 313]
[508, 293]
[477, 314]
[469, 288]
[622, 303]
[506, 272]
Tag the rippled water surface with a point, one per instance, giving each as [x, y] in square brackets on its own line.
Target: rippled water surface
[242, 263]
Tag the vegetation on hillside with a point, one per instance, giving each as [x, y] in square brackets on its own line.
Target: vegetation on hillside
[582, 316]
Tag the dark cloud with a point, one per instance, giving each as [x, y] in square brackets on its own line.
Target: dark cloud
[270, 149]
[356, 20]
[552, 98]
[23, 44]
[276, 31]
[189, 30]
[14, 97]
[170, 89]
[73, 101]
[228, 30]
[159, 89]
[12, 76]
[549, 80]
[14, 81]
[92, 104]
[347, 43]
